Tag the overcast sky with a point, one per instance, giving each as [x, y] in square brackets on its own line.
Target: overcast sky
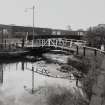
[53, 13]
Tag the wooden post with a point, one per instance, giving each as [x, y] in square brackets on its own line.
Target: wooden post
[95, 52]
[5, 43]
[77, 50]
[84, 51]
[32, 80]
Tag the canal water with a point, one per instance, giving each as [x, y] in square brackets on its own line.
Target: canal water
[16, 81]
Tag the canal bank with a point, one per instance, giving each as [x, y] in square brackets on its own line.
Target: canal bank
[20, 52]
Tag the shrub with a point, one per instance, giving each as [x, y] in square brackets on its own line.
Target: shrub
[82, 64]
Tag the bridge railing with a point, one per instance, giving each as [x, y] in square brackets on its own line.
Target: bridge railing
[79, 46]
[52, 42]
[58, 42]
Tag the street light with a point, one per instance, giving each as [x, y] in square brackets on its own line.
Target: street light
[33, 24]
[32, 47]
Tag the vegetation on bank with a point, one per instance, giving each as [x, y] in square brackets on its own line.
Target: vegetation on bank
[87, 68]
[91, 77]
[90, 68]
[63, 96]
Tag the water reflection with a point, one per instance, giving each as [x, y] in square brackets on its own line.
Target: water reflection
[16, 81]
[22, 65]
[1, 73]
[19, 74]
[14, 76]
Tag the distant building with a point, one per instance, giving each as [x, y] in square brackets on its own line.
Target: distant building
[13, 33]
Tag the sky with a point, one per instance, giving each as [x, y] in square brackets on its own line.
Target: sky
[57, 14]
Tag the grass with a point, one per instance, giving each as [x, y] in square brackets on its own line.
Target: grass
[91, 78]
[63, 96]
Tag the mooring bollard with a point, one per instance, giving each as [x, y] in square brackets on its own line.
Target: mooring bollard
[32, 80]
[84, 51]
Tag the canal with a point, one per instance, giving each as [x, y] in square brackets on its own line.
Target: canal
[16, 80]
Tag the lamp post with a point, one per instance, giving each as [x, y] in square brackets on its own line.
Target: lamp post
[33, 26]
[32, 47]
[33, 8]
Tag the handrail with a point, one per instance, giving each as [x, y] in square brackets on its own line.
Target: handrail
[68, 44]
[93, 48]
